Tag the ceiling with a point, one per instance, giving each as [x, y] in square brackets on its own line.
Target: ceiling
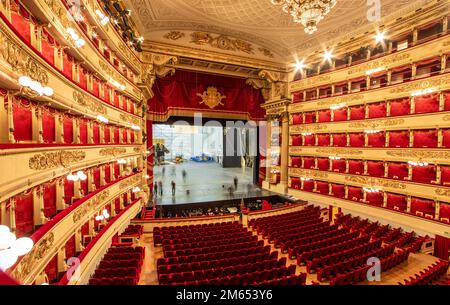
[257, 22]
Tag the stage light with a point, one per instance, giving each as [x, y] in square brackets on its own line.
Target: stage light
[11, 247]
[327, 55]
[299, 65]
[380, 37]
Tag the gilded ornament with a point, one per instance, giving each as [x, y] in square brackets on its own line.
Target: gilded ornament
[55, 159]
[174, 35]
[377, 123]
[112, 151]
[211, 97]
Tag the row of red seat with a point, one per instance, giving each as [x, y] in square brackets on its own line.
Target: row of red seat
[353, 263]
[240, 253]
[214, 249]
[429, 275]
[226, 275]
[215, 242]
[360, 274]
[167, 241]
[332, 259]
[319, 252]
[286, 222]
[289, 246]
[308, 210]
[160, 237]
[194, 228]
[133, 230]
[204, 265]
[119, 266]
[293, 238]
[279, 230]
[325, 242]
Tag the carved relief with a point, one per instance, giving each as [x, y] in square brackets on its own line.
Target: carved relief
[55, 159]
[343, 99]
[129, 182]
[295, 150]
[89, 102]
[112, 151]
[379, 63]
[376, 182]
[377, 123]
[443, 192]
[419, 154]
[338, 150]
[307, 173]
[211, 97]
[437, 82]
[130, 119]
[174, 35]
[221, 42]
[308, 128]
[266, 52]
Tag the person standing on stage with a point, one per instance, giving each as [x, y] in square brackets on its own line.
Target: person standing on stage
[184, 174]
[155, 189]
[235, 182]
[160, 186]
[173, 188]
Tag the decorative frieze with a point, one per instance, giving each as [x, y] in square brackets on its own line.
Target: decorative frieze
[307, 173]
[419, 154]
[339, 151]
[377, 123]
[55, 159]
[89, 102]
[113, 151]
[376, 182]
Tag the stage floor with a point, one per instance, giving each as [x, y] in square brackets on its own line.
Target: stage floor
[206, 182]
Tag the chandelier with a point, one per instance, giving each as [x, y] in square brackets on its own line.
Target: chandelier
[307, 12]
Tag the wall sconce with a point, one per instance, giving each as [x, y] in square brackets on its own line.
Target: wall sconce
[29, 84]
[136, 189]
[372, 131]
[103, 18]
[102, 119]
[418, 163]
[135, 127]
[116, 84]
[305, 179]
[11, 247]
[80, 175]
[105, 215]
[338, 106]
[79, 42]
[370, 190]
[334, 158]
[122, 161]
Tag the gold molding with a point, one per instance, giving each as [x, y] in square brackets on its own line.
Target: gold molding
[307, 173]
[174, 35]
[419, 154]
[211, 97]
[221, 42]
[338, 150]
[376, 123]
[55, 159]
[372, 181]
[114, 151]
[88, 102]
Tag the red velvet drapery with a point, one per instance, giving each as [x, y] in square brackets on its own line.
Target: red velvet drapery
[24, 214]
[441, 247]
[179, 93]
[50, 199]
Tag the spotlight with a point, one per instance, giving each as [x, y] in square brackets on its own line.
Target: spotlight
[327, 55]
[380, 37]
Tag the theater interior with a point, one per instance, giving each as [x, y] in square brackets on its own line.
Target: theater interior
[200, 142]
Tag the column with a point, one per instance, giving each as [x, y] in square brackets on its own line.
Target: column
[102, 175]
[408, 204]
[91, 231]
[90, 180]
[90, 132]
[38, 206]
[284, 149]
[437, 210]
[59, 129]
[61, 258]
[3, 213]
[4, 119]
[384, 199]
[78, 241]
[60, 203]
[12, 215]
[36, 124]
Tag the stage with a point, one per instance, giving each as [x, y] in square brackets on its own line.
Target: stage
[208, 185]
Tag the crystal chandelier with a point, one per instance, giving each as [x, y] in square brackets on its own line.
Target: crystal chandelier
[307, 12]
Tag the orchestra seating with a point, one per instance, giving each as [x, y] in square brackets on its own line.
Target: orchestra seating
[120, 266]
[337, 252]
[219, 254]
[433, 273]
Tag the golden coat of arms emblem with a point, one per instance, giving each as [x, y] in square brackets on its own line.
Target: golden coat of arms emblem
[211, 97]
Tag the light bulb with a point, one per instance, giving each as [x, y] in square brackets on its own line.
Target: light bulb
[47, 91]
[379, 37]
[36, 86]
[25, 81]
[70, 31]
[83, 177]
[7, 239]
[80, 173]
[22, 246]
[7, 259]
[3, 230]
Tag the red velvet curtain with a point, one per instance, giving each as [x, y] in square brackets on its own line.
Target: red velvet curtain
[107, 173]
[22, 118]
[24, 214]
[179, 91]
[50, 199]
[338, 190]
[356, 139]
[425, 138]
[375, 169]
[68, 190]
[400, 107]
[95, 86]
[116, 99]
[295, 183]
[84, 185]
[397, 202]
[20, 20]
[355, 167]
[52, 269]
[377, 110]
[124, 135]
[441, 247]
[132, 137]
[376, 139]
[399, 139]
[426, 103]
[357, 113]
[323, 164]
[48, 125]
[131, 107]
[308, 162]
[340, 139]
[324, 116]
[340, 114]
[96, 133]
[96, 175]
[323, 140]
[48, 47]
[70, 247]
[117, 205]
[68, 63]
[83, 78]
[116, 135]
[68, 129]
[397, 170]
[310, 117]
[297, 119]
[106, 95]
[116, 170]
[107, 134]
[83, 131]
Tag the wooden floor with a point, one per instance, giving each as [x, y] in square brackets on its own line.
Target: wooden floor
[416, 262]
